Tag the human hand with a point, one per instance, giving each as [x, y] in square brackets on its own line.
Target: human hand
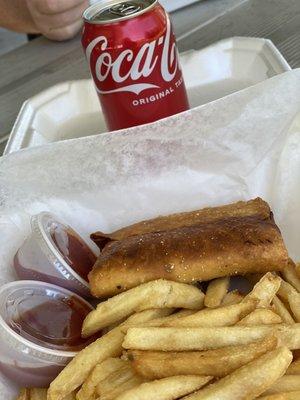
[57, 19]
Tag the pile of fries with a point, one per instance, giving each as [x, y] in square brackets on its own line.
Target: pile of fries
[165, 340]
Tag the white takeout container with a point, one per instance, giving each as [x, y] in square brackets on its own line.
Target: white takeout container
[22, 361]
[71, 109]
[236, 148]
[172, 5]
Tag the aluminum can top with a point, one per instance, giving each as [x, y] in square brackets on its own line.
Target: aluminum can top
[109, 11]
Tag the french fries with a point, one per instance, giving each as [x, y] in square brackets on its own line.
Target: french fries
[166, 389]
[38, 394]
[24, 394]
[109, 345]
[297, 269]
[113, 393]
[216, 290]
[249, 381]
[290, 295]
[265, 290]
[294, 368]
[288, 383]
[290, 275]
[232, 297]
[118, 382]
[101, 372]
[282, 311]
[285, 290]
[261, 316]
[75, 373]
[170, 319]
[218, 363]
[155, 294]
[241, 343]
[282, 396]
[112, 326]
[222, 316]
[186, 339]
[294, 303]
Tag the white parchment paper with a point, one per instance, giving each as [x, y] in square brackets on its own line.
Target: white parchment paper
[239, 147]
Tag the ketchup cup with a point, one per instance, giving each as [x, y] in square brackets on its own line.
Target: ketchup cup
[40, 331]
[55, 253]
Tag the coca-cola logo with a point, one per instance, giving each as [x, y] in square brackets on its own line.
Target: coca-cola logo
[141, 65]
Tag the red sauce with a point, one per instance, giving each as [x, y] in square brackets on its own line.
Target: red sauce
[51, 322]
[30, 377]
[74, 250]
[29, 273]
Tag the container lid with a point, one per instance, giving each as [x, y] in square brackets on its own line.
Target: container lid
[64, 248]
[107, 11]
[42, 318]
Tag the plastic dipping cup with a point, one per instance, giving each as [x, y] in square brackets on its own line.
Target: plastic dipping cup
[55, 253]
[37, 344]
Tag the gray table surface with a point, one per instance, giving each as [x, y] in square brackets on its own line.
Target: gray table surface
[41, 63]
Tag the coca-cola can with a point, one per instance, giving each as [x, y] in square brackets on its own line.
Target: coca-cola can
[133, 58]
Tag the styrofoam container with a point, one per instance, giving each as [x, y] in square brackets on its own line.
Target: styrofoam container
[237, 148]
[71, 109]
[172, 5]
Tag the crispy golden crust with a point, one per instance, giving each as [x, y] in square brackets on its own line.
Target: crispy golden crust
[254, 207]
[227, 246]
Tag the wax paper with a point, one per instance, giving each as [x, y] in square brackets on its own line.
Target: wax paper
[239, 147]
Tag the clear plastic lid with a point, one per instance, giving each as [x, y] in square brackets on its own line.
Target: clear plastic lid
[55, 253]
[46, 317]
[72, 248]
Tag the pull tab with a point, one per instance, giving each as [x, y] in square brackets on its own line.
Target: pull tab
[126, 8]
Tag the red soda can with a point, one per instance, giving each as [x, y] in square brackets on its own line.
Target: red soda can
[133, 58]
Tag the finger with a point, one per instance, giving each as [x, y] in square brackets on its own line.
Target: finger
[64, 33]
[56, 21]
[50, 7]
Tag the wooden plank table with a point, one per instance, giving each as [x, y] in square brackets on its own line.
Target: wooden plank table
[41, 63]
